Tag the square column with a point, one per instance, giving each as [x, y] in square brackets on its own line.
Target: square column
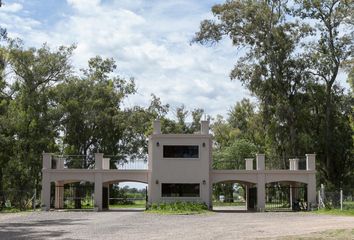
[310, 162]
[311, 191]
[59, 194]
[45, 194]
[261, 192]
[247, 195]
[98, 192]
[46, 161]
[260, 159]
[249, 163]
[98, 161]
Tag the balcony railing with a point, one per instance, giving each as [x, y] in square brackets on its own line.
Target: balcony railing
[98, 162]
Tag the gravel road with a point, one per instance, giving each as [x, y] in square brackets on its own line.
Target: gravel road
[139, 225]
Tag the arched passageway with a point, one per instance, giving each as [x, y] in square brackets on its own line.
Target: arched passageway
[124, 194]
[286, 196]
[73, 194]
[233, 196]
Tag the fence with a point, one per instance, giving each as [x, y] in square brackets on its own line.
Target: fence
[286, 198]
[335, 199]
[19, 199]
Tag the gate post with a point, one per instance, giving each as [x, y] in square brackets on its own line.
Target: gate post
[261, 192]
[59, 194]
[98, 192]
[45, 194]
[311, 191]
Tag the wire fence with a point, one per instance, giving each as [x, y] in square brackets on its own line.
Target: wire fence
[19, 199]
[335, 200]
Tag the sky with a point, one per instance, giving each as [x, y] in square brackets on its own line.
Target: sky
[149, 39]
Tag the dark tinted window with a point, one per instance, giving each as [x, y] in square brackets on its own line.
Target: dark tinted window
[180, 190]
[174, 151]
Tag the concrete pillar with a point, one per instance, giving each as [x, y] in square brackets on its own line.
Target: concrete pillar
[310, 162]
[98, 161]
[249, 163]
[260, 159]
[296, 163]
[311, 191]
[291, 164]
[59, 194]
[45, 194]
[261, 192]
[98, 191]
[291, 195]
[105, 163]
[246, 195]
[204, 127]
[157, 127]
[47, 161]
[60, 162]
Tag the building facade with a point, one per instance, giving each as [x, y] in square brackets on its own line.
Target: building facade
[179, 168]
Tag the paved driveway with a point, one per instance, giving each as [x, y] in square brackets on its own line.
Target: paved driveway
[139, 225]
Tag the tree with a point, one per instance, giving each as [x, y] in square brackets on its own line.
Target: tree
[327, 53]
[284, 75]
[27, 128]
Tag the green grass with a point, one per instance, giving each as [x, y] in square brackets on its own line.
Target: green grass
[136, 204]
[344, 212]
[16, 210]
[338, 234]
[178, 208]
[224, 204]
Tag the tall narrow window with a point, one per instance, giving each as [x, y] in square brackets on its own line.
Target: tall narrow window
[180, 190]
[180, 151]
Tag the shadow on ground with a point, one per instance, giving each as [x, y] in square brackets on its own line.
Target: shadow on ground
[35, 230]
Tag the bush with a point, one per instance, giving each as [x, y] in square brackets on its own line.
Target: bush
[178, 207]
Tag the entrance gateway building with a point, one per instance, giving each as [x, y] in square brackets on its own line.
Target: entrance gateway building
[179, 168]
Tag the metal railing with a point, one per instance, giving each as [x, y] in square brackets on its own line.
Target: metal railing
[73, 162]
[271, 163]
[131, 164]
[88, 162]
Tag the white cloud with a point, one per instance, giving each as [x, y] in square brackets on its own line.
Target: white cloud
[150, 42]
[11, 7]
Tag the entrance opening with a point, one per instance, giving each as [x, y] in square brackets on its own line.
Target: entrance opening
[286, 196]
[125, 196]
[74, 195]
[234, 196]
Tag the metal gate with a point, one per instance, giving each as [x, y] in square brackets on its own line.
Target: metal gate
[286, 198]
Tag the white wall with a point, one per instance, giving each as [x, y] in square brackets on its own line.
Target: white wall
[179, 170]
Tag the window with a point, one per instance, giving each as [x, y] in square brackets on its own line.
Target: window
[180, 190]
[179, 151]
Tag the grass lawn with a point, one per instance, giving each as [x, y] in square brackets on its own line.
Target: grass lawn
[224, 204]
[137, 204]
[338, 234]
[344, 212]
[178, 208]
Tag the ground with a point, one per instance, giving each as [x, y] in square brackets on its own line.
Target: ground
[133, 224]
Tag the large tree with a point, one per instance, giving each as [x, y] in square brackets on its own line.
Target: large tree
[282, 66]
[27, 123]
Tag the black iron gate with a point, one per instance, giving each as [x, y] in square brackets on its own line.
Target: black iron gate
[286, 198]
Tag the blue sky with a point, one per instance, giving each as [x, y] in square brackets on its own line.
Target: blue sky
[149, 39]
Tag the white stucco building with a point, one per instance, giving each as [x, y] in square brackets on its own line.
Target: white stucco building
[179, 168]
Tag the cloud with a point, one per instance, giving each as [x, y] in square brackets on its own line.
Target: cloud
[151, 42]
[11, 7]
